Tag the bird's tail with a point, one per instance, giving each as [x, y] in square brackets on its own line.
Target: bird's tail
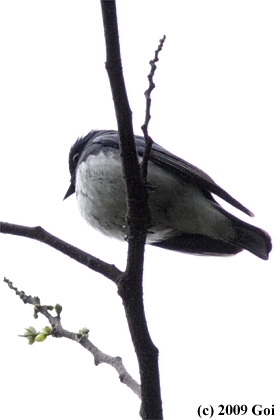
[251, 238]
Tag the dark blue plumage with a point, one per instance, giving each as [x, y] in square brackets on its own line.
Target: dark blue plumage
[185, 216]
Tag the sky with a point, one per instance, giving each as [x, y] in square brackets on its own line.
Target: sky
[216, 104]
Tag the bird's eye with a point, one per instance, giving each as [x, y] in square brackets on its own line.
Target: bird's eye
[75, 158]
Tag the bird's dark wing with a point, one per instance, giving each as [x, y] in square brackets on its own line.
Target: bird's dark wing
[187, 171]
[169, 162]
[199, 245]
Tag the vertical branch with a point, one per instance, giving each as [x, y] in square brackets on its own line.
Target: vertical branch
[123, 112]
[130, 283]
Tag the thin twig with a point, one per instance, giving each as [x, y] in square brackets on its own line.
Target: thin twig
[149, 141]
[59, 332]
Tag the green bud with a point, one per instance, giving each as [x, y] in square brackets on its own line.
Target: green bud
[40, 337]
[31, 330]
[47, 330]
[58, 308]
[31, 340]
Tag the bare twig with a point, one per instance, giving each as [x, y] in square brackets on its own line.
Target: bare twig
[58, 331]
[41, 235]
[149, 141]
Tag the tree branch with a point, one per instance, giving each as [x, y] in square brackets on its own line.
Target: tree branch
[130, 283]
[138, 211]
[58, 331]
[39, 234]
[149, 141]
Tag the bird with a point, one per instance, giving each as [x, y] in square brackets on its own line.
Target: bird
[185, 217]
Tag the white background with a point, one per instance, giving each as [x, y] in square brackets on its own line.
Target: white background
[216, 104]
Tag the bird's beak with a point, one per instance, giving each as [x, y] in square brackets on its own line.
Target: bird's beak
[70, 191]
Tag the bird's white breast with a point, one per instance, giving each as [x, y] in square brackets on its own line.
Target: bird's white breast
[176, 205]
[100, 193]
